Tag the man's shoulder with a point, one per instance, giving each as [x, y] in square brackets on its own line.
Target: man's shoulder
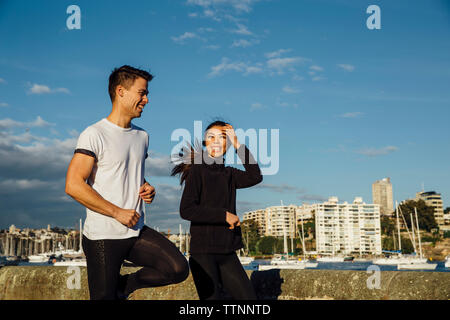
[94, 128]
[139, 129]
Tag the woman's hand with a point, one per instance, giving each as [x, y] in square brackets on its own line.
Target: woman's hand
[232, 220]
[229, 130]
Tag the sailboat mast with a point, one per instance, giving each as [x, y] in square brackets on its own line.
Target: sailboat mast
[418, 233]
[81, 236]
[303, 238]
[398, 228]
[412, 231]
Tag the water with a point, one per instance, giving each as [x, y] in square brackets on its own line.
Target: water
[362, 266]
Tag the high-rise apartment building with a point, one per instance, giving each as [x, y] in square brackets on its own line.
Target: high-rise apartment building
[382, 195]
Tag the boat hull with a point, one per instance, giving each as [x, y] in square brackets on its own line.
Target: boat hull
[417, 266]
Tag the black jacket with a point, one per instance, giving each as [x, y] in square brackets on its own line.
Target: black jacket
[209, 192]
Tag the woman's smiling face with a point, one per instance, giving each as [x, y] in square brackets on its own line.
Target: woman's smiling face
[216, 141]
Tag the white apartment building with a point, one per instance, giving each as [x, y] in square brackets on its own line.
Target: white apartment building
[281, 219]
[347, 228]
[260, 217]
[275, 220]
[434, 200]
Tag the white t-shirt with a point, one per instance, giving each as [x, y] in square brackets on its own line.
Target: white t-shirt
[117, 175]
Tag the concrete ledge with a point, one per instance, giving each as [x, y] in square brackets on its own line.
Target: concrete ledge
[54, 283]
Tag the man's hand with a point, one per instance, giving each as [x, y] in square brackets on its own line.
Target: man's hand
[147, 192]
[128, 217]
[232, 220]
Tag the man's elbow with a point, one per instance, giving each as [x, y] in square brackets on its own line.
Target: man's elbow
[70, 188]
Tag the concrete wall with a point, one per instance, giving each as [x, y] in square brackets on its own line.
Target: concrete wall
[51, 283]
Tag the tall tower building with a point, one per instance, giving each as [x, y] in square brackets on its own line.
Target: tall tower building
[382, 195]
[434, 200]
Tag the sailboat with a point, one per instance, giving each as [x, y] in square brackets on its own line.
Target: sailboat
[447, 261]
[282, 262]
[399, 259]
[245, 259]
[79, 260]
[416, 263]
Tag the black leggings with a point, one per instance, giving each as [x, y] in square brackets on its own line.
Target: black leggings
[162, 263]
[212, 272]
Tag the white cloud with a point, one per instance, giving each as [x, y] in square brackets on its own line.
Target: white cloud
[276, 54]
[11, 124]
[316, 68]
[285, 104]
[242, 29]
[244, 43]
[373, 152]
[351, 115]
[346, 67]
[240, 6]
[17, 185]
[227, 65]
[280, 65]
[203, 30]
[181, 39]
[212, 47]
[318, 78]
[291, 90]
[43, 89]
[257, 106]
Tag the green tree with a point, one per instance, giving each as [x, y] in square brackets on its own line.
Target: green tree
[387, 226]
[407, 246]
[309, 228]
[250, 235]
[424, 213]
[267, 245]
[387, 243]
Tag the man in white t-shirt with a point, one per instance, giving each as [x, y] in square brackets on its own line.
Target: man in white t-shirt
[106, 175]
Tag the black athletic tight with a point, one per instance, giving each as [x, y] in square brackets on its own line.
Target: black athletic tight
[162, 263]
[212, 272]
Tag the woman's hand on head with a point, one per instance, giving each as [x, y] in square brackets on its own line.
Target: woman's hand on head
[231, 134]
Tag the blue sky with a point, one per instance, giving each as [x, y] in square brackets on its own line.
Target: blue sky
[352, 105]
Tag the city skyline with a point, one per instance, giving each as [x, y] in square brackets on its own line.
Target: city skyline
[352, 105]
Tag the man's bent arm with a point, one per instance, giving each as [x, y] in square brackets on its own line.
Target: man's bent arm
[78, 172]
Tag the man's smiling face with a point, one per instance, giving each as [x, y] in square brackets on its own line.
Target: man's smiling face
[135, 98]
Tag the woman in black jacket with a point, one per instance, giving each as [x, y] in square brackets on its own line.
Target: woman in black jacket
[209, 202]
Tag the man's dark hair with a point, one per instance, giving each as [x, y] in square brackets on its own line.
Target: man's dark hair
[125, 76]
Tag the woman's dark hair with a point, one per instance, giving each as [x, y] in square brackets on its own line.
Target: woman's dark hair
[188, 153]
